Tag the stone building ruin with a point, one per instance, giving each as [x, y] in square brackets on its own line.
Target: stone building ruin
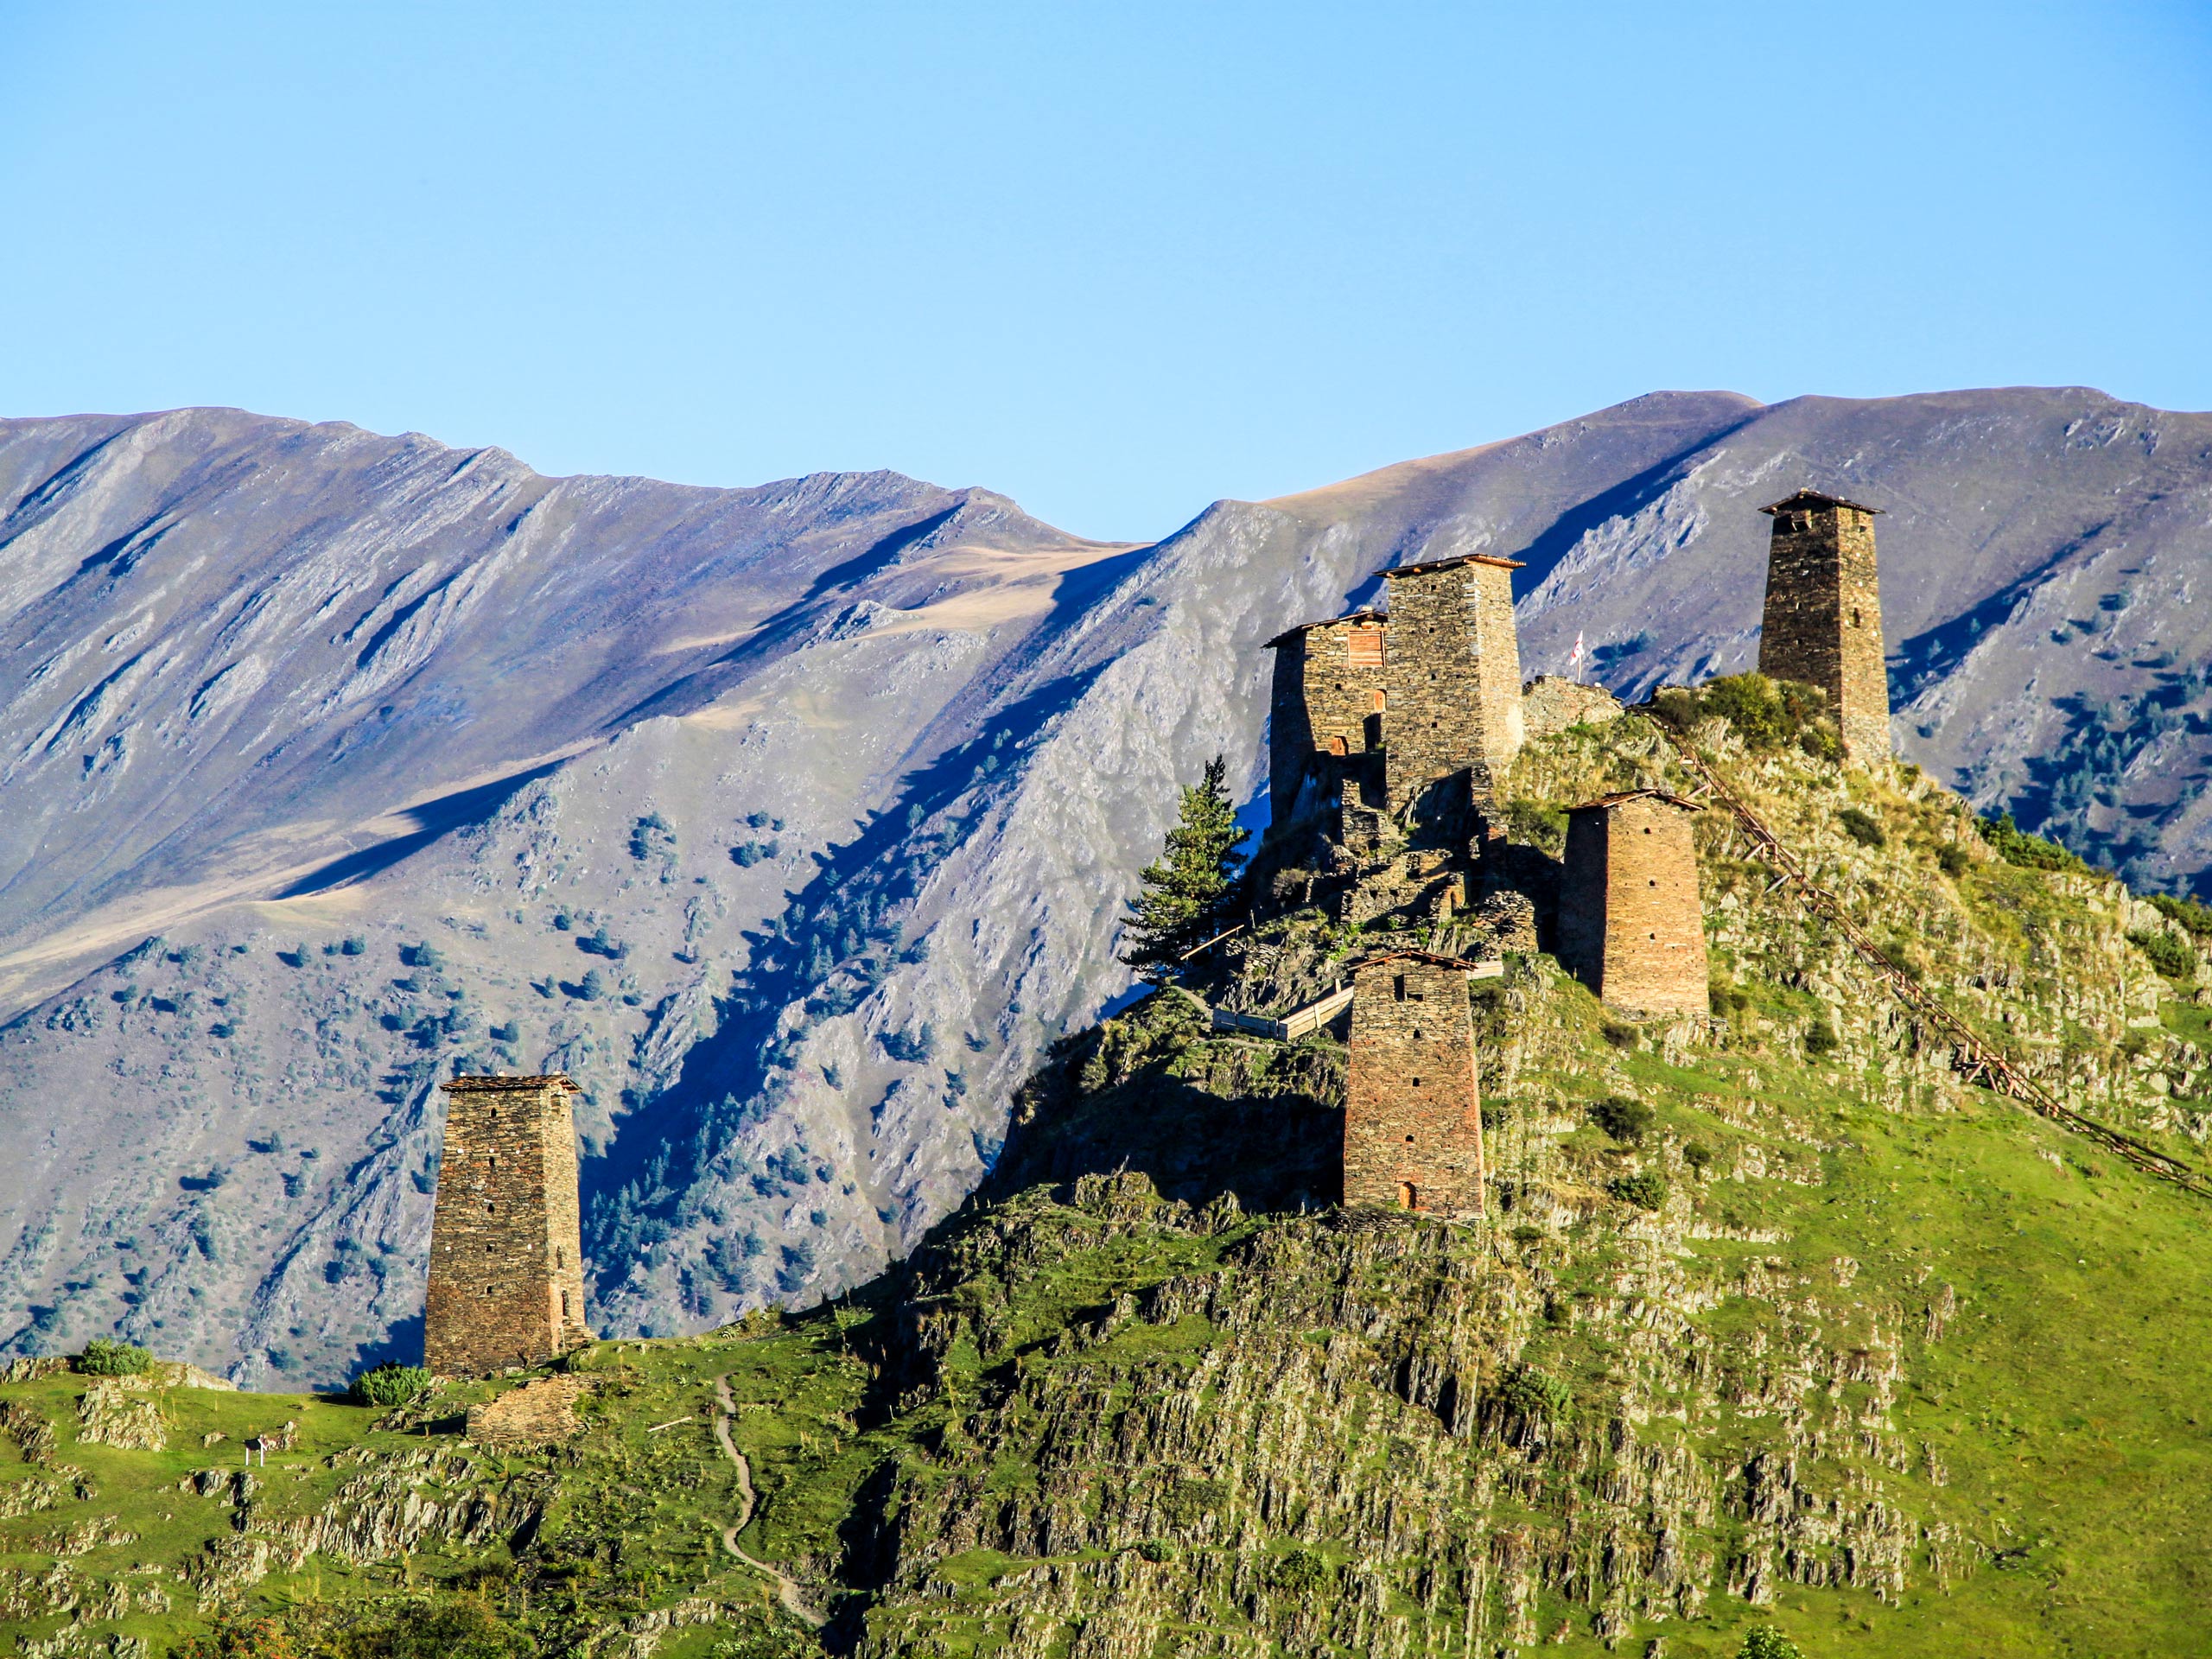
[506, 1263]
[1632, 923]
[1430, 691]
[1327, 712]
[1823, 618]
[1412, 1108]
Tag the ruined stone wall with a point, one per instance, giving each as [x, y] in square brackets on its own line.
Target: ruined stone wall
[507, 1269]
[1823, 619]
[1329, 695]
[1632, 923]
[1550, 704]
[1453, 684]
[1413, 1111]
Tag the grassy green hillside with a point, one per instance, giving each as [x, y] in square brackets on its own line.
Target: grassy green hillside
[1776, 1323]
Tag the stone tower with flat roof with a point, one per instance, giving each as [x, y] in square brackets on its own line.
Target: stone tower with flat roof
[1631, 925]
[1453, 683]
[1413, 1110]
[1823, 623]
[1326, 715]
[507, 1269]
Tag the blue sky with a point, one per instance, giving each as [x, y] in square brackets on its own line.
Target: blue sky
[1115, 260]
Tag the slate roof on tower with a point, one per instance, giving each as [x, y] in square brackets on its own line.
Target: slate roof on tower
[1428, 565]
[1627, 794]
[1808, 499]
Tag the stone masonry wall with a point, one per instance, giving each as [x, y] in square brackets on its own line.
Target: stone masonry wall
[1823, 619]
[1328, 701]
[1632, 923]
[507, 1269]
[1549, 705]
[1413, 1111]
[1454, 684]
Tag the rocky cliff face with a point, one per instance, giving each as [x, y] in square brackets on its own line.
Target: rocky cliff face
[795, 821]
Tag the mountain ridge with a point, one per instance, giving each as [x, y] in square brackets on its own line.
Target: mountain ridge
[957, 728]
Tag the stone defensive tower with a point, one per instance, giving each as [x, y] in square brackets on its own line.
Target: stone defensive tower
[1327, 709]
[1823, 623]
[506, 1271]
[1631, 926]
[1413, 1110]
[1453, 682]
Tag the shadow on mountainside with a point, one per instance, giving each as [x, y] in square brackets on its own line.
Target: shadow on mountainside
[1140, 1093]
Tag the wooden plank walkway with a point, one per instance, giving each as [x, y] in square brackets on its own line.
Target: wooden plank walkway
[1315, 1015]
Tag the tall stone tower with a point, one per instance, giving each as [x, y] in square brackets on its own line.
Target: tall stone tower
[1413, 1110]
[1453, 683]
[506, 1271]
[1631, 926]
[1824, 613]
[1327, 711]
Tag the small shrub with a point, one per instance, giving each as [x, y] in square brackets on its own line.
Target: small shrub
[105, 1357]
[509, 1033]
[2171, 956]
[1536, 823]
[650, 834]
[1820, 1038]
[1527, 1392]
[1822, 742]
[1620, 1035]
[1156, 1550]
[1189, 1500]
[1952, 861]
[240, 1638]
[391, 1385]
[1301, 1572]
[592, 987]
[2015, 845]
[1766, 1643]
[352, 947]
[450, 1627]
[1624, 1119]
[1524, 1236]
[1725, 997]
[1675, 705]
[1861, 826]
[1496, 1114]
[1646, 1191]
[1697, 1155]
[1765, 714]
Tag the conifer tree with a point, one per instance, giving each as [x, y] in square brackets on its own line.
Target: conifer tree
[1186, 893]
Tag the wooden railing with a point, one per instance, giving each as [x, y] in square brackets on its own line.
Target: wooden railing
[1317, 1014]
[1973, 1056]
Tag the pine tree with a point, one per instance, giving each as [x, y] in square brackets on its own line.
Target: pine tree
[1187, 893]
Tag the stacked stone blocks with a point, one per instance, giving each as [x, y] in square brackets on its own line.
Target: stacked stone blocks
[506, 1268]
[1823, 618]
[1632, 923]
[1453, 684]
[1327, 707]
[1412, 1108]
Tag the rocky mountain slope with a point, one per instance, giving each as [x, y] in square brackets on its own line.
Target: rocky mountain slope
[1776, 1321]
[795, 821]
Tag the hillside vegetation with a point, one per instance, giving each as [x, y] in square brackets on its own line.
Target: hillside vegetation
[1776, 1323]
